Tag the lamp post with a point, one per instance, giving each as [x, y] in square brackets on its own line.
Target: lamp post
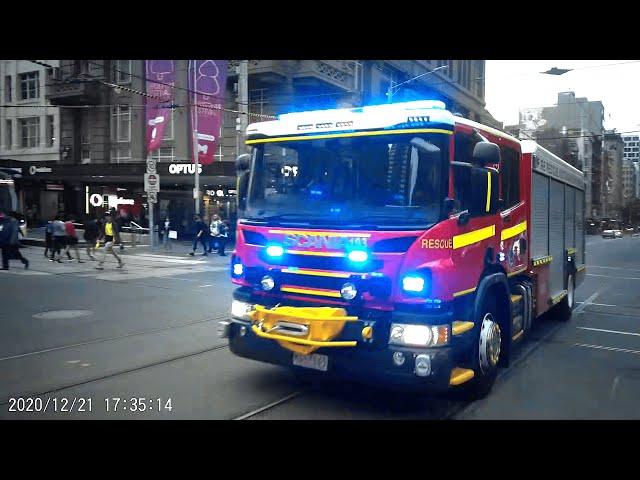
[392, 90]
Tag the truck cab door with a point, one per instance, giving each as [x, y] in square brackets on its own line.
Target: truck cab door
[513, 250]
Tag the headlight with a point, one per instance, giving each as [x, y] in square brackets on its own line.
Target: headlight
[240, 309]
[419, 335]
[238, 269]
[267, 283]
[275, 251]
[413, 283]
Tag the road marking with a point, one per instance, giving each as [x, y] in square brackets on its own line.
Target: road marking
[613, 349]
[207, 285]
[609, 331]
[587, 302]
[617, 278]
[267, 407]
[614, 268]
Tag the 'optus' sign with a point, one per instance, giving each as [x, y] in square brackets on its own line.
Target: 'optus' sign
[184, 168]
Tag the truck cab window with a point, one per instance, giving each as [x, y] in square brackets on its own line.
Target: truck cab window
[463, 152]
[510, 177]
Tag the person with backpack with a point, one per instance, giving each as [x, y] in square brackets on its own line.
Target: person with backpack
[9, 243]
[110, 235]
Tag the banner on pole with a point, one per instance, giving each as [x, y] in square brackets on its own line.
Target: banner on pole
[161, 79]
[207, 82]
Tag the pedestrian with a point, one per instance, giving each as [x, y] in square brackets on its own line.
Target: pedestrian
[91, 234]
[72, 239]
[166, 239]
[202, 236]
[214, 232]
[59, 236]
[223, 233]
[109, 234]
[48, 238]
[9, 243]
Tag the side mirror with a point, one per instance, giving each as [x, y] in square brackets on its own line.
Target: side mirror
[484, 191]
[486, 153]
[243, 162]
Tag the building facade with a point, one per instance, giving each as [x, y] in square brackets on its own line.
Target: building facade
[612, 162]
[100, 151]
[29, 127]
[573, 129]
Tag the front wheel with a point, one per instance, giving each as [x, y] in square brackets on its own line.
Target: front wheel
[486, 354]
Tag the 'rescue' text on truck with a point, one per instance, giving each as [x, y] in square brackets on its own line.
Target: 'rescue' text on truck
[399, 244]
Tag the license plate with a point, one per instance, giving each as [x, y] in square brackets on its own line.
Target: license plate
[314, 361]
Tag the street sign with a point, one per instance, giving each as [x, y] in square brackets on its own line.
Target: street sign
[151, 182]
[152, 197]
[151, 165]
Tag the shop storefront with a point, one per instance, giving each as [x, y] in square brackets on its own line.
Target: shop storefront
[88, 191]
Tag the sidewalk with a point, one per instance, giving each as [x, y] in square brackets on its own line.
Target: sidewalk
[178, 247]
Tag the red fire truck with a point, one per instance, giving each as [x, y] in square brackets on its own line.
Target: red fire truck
[399, 244]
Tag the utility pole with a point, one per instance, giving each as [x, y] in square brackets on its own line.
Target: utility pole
[196, 160]
[243, 103]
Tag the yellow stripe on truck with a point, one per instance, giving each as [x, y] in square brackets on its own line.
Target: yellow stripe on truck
[488, 191]
[513, 231]
[475, 236]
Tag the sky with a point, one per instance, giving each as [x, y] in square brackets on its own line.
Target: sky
[514, 84]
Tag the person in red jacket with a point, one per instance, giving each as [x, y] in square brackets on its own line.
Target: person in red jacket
[72, 239]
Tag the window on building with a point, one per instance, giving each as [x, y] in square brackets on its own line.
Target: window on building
[122, 71]
[29, 85]
[164, 154]
[85, 137]
[30, 132]
[510, 176]
[8, 93]
[258, 101]
[8, 134]
[51, 134]
[168, 129]
[121, 133]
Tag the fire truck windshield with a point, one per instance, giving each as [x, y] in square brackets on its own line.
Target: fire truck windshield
[385, 179]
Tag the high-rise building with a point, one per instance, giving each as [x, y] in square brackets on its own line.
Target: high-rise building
[572, 129]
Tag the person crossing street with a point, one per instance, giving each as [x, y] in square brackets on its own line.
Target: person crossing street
[110, 235]
[9, 242]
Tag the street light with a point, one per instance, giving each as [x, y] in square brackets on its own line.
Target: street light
[393, 90]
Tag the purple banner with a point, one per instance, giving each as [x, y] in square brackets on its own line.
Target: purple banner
[207, 82]
[161, 78]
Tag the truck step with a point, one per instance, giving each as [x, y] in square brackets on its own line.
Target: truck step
[460, 375]
[516, 298]
[458, 327]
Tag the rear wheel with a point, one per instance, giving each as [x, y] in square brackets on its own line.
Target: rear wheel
[486, 354]
[565, 307]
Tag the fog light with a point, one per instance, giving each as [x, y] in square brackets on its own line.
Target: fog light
[398, 358]
[423, 365]
[238, 269]
[243, 331]
[240, 309]
[267, 283]
[348, 291]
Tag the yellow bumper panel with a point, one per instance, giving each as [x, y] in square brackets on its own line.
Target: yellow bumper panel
[313, 327]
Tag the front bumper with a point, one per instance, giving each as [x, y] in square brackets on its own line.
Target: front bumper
[369, 366]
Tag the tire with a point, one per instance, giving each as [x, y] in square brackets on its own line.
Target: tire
[566, 306]
[485, 356]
